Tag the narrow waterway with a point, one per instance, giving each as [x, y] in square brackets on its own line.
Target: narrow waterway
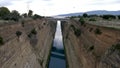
[57, 58]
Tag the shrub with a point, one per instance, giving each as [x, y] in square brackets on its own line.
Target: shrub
[30, 13]
[18, 33]
[30, 35]
[84, 25]
[91, 48]
[81, 20]
[116, 47]
[23, 23]
[90, 29]
[85, 15]
[36, 16]
[73, 27]
[1, 41]
[107, 17]
[118, 16]
[33, 31]
[77, 32]
[14, 15]
[72, 17]
[98, 31]
[44, 23]
[92, 19]
[4, 12]
[94, 15]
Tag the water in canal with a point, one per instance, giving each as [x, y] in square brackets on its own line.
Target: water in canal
[57, 58]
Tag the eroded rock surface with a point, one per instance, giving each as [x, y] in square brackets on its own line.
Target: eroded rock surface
[29, 50]
[89, 46]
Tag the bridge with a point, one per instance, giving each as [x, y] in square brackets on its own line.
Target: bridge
[55, 19]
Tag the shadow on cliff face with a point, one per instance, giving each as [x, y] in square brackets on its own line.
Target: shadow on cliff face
[33, 40]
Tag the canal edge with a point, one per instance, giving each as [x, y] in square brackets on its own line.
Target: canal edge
[48, 60]
[67, 65]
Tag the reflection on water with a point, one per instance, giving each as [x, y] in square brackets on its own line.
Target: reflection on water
[57, 59]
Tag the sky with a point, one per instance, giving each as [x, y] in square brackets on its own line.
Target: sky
[56, 7]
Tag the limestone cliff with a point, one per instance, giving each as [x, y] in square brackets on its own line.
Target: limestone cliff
[89, 46]
[30, 47]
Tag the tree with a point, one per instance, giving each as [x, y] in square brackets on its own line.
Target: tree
[24, 15]
[82, 21]
[14, 15]
[36, 16]
[4, 11]
[30, 13]
[85, 15]
[118, 16]
[108, 17]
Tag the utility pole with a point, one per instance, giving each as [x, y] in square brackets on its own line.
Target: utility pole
[28, 8]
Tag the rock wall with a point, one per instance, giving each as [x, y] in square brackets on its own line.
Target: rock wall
[90, 46]
[31, 49]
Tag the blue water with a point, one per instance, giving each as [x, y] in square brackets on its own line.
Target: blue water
[57, 59]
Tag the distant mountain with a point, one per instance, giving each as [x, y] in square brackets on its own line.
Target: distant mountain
[98, 12]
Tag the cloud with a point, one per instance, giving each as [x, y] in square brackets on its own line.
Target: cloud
[56, 7]
[11, 2]
[46, 0]
[105, 2]
[5, 3]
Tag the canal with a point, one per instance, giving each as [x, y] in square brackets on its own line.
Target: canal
[57, 58]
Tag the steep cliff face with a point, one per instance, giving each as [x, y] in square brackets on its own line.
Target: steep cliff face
[111, 58]
[88, 46]
[26, 45]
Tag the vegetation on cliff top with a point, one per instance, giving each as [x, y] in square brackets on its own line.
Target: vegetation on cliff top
[108, 17]
[14, 15]
[82, 21]
[5, 14]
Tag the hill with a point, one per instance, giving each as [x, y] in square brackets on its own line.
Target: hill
[97, 12]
